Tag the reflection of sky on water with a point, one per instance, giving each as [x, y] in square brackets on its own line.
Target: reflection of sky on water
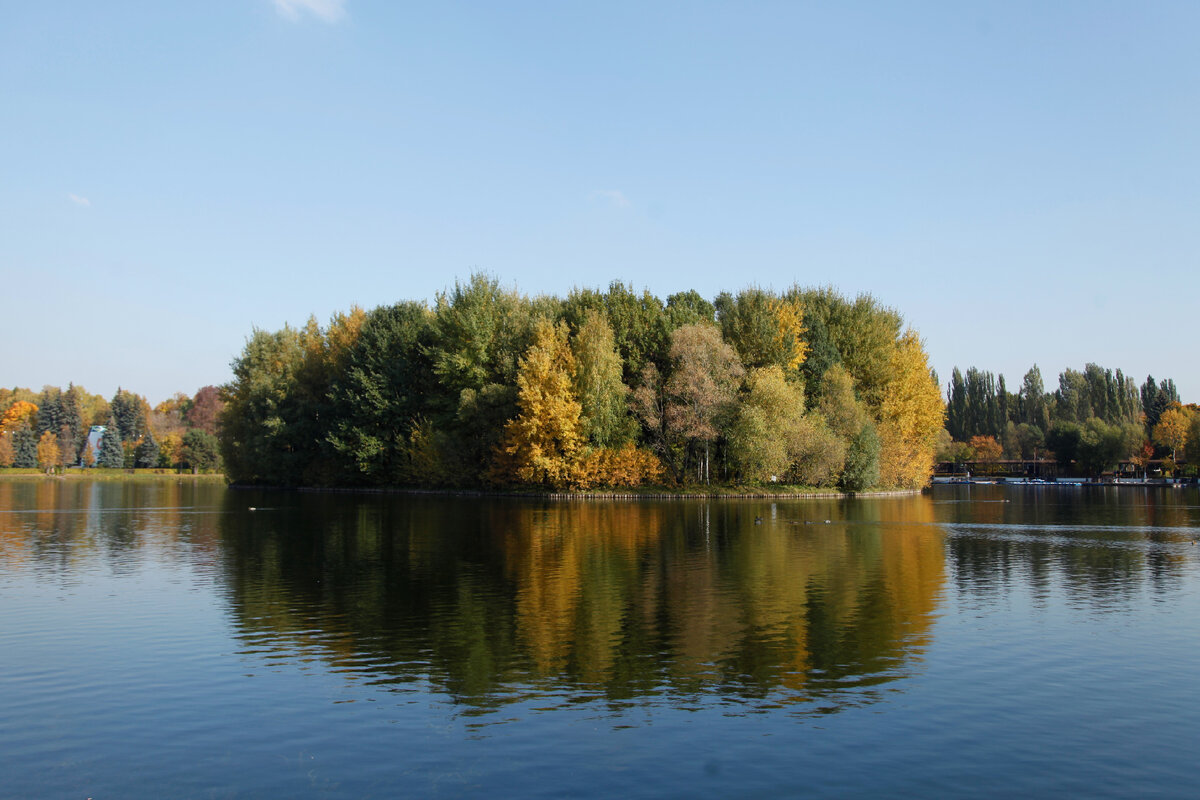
[166, 638]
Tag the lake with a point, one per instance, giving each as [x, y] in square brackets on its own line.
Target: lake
[185, 640]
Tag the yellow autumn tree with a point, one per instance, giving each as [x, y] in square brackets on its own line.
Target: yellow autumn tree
[1172, 430]
[542, 443]
[789, 331]
[18, 414]
[170, 449]
[48, 451]
[910, 416]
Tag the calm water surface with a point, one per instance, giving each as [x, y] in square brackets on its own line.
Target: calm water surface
[189, 641]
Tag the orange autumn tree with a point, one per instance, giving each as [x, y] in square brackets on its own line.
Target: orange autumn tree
[541, 444]
[986, 448]
[18, 414]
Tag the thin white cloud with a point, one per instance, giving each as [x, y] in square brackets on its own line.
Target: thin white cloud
[79, 201]
[614, 196]
[324, 10]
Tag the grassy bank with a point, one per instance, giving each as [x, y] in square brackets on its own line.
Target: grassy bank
[99, 474]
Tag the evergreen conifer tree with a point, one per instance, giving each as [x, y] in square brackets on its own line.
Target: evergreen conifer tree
[112, 455]
[147, 452]
[72, 420]
[49, 416]
[129, 415]
[25, 448]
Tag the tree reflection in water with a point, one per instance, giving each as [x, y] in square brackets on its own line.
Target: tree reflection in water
[492, 600]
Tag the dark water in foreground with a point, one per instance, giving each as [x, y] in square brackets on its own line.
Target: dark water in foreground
[166, 641]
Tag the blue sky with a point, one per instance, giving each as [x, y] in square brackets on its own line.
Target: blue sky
[1020, 180]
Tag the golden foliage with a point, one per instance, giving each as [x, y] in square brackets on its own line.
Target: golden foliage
[609, 467]
[986, 448]
[790, 330]
[18, 414]
[170, 449]
[910, 416]
[7, 455]
[1172, 429]
[540, 444]
[48, 451]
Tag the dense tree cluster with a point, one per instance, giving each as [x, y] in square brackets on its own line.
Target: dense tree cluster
[598, 389]
[1094, 420]
[49, 429]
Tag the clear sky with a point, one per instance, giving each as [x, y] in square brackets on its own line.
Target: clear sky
[1021, 180]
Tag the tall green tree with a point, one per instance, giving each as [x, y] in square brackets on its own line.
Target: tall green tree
[146, 455]
[112, 453]
[25, 447]
[822, 355]
[1157, 398]
[863, 332]
[130, 412]
[386, 385]
[765, 426]
[688, 308]
[201, 451]
[862, 460]
[641, 324]
[956, 407]
[49, 416]
[1034, 410]
[72, 418]
[262, 438]
[764, 329]
[1102, 445]
[603, 396]
[838, 405]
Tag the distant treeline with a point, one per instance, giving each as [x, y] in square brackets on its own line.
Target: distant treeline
[50, 428]
[490, 387]
[1095, 419]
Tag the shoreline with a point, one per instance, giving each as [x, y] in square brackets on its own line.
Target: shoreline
[656, 494]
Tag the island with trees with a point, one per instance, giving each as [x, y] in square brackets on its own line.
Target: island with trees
[603, 389]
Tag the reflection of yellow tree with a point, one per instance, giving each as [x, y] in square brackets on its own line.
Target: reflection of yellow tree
[768, 607]
[787, 599]
[574, 567]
